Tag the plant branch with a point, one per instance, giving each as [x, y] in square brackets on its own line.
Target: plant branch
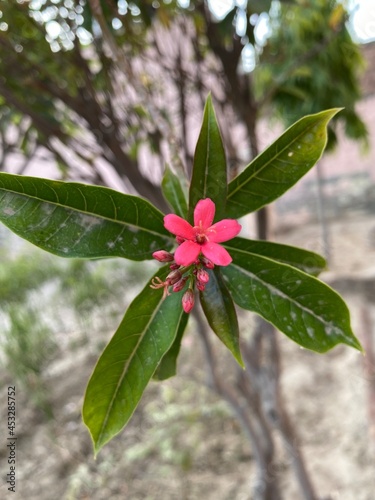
[263, 488]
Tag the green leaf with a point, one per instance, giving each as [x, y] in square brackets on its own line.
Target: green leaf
[127, 364]
[305, 260]
[168, 365]
[304, 308]
[280, 166]
[173, 192]
[218, 307]
[209, 177]
[79, 220]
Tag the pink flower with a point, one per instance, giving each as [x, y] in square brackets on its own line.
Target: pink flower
[203, 237]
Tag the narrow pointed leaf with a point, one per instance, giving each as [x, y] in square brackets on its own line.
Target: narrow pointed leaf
[209, 177]
[174, 193]
[307, 310]
[280, 166]
[127, 364]
[218, 307]
[168, 365]
[305, 260]
[78, 220]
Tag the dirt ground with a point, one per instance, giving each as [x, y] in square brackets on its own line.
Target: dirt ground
[183, 443]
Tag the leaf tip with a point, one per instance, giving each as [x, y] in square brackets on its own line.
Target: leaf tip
[335, 111]
[352, 341]
[238, 358]
[97, 447]
[357, 345]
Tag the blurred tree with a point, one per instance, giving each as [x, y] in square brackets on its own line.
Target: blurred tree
[310, 63]
[100, 83]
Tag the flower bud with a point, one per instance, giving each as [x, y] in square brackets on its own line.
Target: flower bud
[163, 256]
[180, 284]
[203, 276]
[174, 266]
[207, 263]
[188, 300]
[173, 277]
[201, 286]
[180, 240]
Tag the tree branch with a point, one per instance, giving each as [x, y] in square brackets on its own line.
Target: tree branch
[264, 487]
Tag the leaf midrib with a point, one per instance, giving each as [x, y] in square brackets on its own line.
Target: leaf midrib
[228, 246]
[177, 199]
[207, 154]
[126, 366]
[283, 294]
[92, 214]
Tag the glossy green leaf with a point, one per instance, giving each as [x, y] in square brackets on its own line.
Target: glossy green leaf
[78, 220]
[218, 307]
[209, 177]
[304, 308]
[168, 365]
[305, 260]
[174, 193]
[280, 166]
[127, 364]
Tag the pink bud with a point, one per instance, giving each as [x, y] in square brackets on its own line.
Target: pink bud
[180, 240]
[188, 300]
[180, 284]
[173, 277]
[207, 263]
[203, 276]
[174, 266]
[163, 256]
[201, 286]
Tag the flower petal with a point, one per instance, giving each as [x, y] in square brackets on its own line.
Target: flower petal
[223, 230]
[178, 226]
[204, 213]
[187, 253]
[216, 253]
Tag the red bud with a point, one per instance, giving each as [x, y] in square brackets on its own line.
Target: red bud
[188, 300]
[180, 284]
[201, 286]
[163, 256]
[207, 263]
[173, 277]
[203, 276]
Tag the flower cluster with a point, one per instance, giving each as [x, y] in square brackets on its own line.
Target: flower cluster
[198, 250]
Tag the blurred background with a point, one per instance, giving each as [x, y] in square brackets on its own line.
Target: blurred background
[108, 92]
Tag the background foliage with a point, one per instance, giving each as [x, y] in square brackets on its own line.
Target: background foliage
[117, 87]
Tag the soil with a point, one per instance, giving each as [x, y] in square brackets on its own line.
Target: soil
[183, 442]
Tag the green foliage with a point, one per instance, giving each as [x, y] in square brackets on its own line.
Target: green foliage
[218, 307]
[76, 220]
[168, 364]
[305, 309]
[267, 278]
[306, 261]
[209, 178]
[311, 63]
[280, 166]
[174, 193]
[22, 274]
[127, 364]
[28, 346]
